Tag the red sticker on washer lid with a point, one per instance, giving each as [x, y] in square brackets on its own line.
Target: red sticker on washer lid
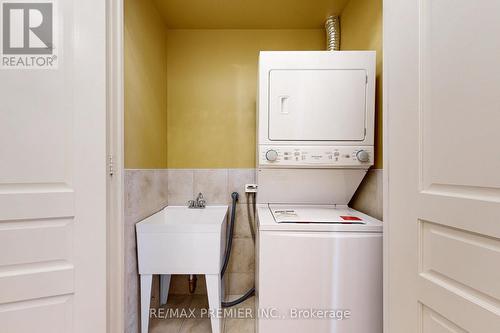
[350, 218]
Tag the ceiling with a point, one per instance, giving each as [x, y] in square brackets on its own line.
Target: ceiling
[248, 14]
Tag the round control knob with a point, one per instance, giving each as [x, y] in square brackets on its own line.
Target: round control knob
[271, 155]
[363, 156]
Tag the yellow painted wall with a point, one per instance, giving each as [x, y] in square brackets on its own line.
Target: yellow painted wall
[212, 77]
[361, 29]
[205, 116]
[145, 86]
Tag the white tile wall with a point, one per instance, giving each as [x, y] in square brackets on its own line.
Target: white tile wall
[146, 191]
[213, 184]
[369, 196]
[217, 186]
[181, 186]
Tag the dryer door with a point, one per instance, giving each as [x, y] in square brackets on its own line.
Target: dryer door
[317, 105]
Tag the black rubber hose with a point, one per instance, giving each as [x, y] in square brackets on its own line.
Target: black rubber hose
[227, 254]
[237, 301]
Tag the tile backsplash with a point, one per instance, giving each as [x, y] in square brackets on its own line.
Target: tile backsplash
[217, 186]
[369, 196]
[146, 192]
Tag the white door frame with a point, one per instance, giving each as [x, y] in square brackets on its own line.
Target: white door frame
[386, 166]
[115, 184]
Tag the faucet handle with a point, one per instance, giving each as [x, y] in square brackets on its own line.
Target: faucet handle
[200, 201]
[191, 204]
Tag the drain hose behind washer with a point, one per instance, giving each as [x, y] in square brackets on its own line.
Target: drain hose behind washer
[227, 254]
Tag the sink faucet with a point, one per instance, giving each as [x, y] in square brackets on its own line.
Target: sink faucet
[200, 202]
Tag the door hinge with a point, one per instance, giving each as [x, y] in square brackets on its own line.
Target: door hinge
[111, 169]
[366, 79]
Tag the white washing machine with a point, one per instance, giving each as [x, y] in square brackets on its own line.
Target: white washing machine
[319, 262]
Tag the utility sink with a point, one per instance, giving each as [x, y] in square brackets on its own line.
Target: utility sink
[181, 240]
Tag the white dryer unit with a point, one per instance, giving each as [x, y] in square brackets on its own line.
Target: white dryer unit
[319, 262]
[316, 112]
[316, 97]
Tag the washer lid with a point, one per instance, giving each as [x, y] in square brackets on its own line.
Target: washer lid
[314, 214]
[335, 218]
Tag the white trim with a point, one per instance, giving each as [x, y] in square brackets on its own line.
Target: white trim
[386, 164]
[115, 184]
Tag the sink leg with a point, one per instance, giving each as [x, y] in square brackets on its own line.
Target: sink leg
[214, 300]
[146, 281]
[164, 285]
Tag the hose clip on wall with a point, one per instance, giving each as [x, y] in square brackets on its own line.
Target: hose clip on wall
[332, 27]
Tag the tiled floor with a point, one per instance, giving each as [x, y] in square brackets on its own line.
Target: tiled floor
[240, 319]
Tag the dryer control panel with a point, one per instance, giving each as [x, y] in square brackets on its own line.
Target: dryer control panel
[316, 156]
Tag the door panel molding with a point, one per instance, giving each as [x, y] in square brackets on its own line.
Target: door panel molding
[461, 307]
[41, 311]
[43, 200]
[490, 194]
[454, 66]
[37, 280]
[433, 322]
[441, 162]
[470, 271]
[456, 212]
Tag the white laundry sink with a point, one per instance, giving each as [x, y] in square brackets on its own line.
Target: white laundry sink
[181, 240]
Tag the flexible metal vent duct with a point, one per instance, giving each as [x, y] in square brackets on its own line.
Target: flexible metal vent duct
[332, 26]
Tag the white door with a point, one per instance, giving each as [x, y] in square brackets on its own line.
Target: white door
[442, 98]
[307, 105]
[52, 176]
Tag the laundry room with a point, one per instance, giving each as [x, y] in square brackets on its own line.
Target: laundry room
[237, 166]
[193, 79]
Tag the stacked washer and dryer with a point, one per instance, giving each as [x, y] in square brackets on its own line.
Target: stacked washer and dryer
[319, 262]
